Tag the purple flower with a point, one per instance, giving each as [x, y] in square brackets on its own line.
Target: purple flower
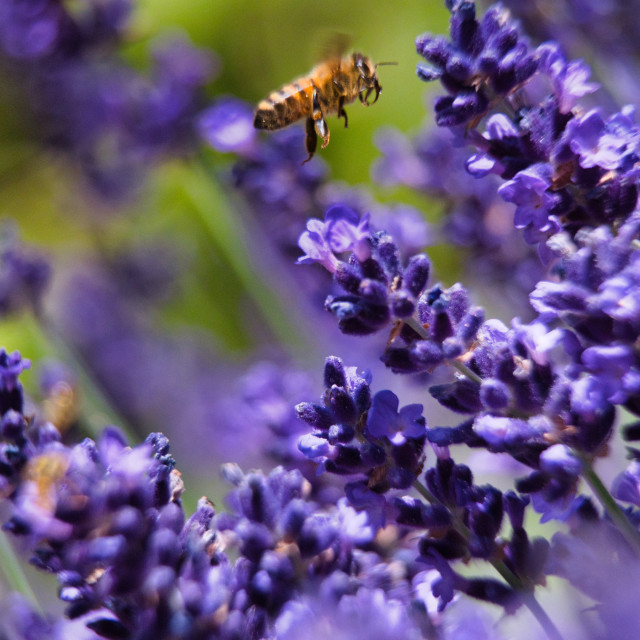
[341, 231]
[24, 275]
[555, 504]
[626, 485]
[387, 451]
[613, 367]
[483, 58]
[570, 79]
[559, 460]
[529, 191]
[501, 434]
[501, 129]
[611, 144]
[227, 126]
[11, 366]
[384, 419]
[314, 243]
[377, 287]
[346, 231]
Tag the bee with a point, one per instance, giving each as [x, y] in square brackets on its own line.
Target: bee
[330, 85]
[43, 475]
[61, 406]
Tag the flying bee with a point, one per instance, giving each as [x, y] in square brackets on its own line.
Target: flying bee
[330, 85]
[61, 405]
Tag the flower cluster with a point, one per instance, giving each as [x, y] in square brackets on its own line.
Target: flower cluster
[355, 433]
[108, 520]
[544, 392]
[362, 523]
[378, 289]
[561, 166]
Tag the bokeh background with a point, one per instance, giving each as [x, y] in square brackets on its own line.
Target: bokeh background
[166, 296]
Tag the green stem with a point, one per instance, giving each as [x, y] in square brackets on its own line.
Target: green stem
[456, 364]
[12, 572]
[609, 504]
[226, 232]
[553, 633]
[417, 327]
[510, 578]
[465, 371]
[424, 492]
[528, 599]
[101, 410]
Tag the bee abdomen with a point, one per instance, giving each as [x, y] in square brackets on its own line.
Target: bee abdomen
[267, 116]
[282, 108]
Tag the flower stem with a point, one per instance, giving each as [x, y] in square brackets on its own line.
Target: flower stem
[465, 371]
[223, 224]
[510, 578]
[609, 504]
[456, 364]
[553, 633]
[98, 410]
[12, 571]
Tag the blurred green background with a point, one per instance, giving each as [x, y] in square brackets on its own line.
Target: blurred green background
[259, 46]
[263, 45]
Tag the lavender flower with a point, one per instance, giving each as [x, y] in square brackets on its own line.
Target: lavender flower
[387, 448]
[362, 531]
[107, 519]
[378, 288]
[227, 126]
[577, 26]
[24, 276]
[475, 218]
[484, 59]
[545, 149]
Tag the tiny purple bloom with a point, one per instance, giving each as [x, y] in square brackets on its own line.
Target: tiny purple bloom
[345, 231]
[626, 486]
[384, 419]
[500, 433]
[559, 460]
[529, 191]
[570, 80]
[316, 248]
[603, 144]
[228, 126]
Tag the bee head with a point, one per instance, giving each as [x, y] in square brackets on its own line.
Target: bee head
[367, 79]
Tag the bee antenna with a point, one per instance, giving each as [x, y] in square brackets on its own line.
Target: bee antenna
[382, 64]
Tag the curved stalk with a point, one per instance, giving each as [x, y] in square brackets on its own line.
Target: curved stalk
[609, 504]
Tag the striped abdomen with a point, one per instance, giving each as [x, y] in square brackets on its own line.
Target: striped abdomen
[282, 107]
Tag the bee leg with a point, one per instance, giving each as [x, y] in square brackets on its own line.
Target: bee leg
[341, 112]
[320, 123]
[311, 141]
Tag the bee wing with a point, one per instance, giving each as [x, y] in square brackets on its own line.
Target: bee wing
[334, 46]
